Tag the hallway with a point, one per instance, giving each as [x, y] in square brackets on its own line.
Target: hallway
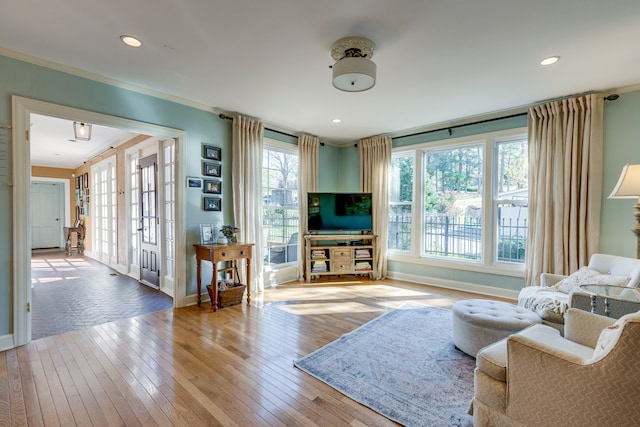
[75, 292]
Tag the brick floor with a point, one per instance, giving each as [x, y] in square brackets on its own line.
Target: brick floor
[75, 292]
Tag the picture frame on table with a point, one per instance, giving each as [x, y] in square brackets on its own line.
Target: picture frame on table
[206, 234]
[213, 204]
[211, 186]
[211, 153]
[212, 169]
[194, 182]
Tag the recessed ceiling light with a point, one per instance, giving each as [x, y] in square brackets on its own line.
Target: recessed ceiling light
[550, 60]
[336, 120]
[130, 41]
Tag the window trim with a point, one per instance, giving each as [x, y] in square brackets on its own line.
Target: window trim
[488, 262]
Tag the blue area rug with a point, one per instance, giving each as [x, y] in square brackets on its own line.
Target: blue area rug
[402, 365]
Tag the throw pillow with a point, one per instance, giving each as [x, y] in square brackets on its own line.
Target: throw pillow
[608, 337]
[586, 275]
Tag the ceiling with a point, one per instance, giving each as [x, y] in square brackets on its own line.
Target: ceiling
[439, 61]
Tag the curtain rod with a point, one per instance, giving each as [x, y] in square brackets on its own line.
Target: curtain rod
[225, 117]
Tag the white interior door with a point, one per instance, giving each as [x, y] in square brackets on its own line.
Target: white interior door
[47, 212]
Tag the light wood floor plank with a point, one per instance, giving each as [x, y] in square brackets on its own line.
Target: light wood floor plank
[192, 367]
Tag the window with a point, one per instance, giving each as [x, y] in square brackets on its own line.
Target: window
[401, 201]
[471, 195]
[280, 202]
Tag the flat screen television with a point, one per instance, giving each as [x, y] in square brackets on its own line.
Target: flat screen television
[339, 212]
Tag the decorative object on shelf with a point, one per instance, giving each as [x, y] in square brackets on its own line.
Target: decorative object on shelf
[212, 186]
[628, 187]
[212, 169]
[206, 234]
[81, 131]
[222, 240]
[212, 153]
[230, 232]
[353, 70]
[212, 204]
[193, 182]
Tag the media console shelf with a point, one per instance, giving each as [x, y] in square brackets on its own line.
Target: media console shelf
[333, 254]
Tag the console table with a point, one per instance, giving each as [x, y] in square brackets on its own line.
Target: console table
[231, 252]
[67, 238]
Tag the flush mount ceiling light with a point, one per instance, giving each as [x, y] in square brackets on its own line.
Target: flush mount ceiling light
[130, 41]
[353, 70]
[550, 60]
[82, 131]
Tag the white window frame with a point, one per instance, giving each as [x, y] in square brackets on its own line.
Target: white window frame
[488, 262]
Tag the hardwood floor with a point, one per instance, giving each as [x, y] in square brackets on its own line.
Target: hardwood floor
[191, 367]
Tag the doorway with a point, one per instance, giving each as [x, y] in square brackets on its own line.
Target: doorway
[23, 108]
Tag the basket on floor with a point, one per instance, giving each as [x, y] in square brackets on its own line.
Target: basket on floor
[230, 296]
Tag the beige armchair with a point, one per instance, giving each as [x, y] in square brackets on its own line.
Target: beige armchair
[553, 380]
[550, 300]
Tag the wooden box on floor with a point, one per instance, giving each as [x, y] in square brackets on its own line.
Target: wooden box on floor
[229, 296]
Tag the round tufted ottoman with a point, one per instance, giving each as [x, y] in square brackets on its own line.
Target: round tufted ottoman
[478, 323]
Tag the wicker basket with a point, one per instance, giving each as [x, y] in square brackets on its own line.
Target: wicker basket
[229, 296]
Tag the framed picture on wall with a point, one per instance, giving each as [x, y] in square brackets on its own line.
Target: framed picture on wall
[212, 169]
[85, 180]
[212, 186]
[78, 182]
[212, 153]
[212, 204]
[193, 182]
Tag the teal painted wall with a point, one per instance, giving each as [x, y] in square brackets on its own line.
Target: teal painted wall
[339, 166]
[621, 146]
[32, 81]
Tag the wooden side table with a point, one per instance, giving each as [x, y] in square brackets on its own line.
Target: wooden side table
[219, 253]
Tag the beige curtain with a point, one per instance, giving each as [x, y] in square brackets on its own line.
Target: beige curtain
[246, 179]
[308, 147]
[375, 161]
[565, 185]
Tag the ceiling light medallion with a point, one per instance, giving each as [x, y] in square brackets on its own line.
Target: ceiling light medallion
[82, 131]
[130, 40]
[353, 70]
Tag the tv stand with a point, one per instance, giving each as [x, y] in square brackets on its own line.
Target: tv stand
[335, 254]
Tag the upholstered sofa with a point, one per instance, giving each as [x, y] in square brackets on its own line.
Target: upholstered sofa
[589, 377]
[557, 293]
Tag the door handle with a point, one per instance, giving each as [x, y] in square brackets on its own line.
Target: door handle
[57, 219]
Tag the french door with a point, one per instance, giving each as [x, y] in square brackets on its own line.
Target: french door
[104, 207]
[149, 221]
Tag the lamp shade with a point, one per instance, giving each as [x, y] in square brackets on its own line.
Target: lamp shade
[354, 74]
[628, 186]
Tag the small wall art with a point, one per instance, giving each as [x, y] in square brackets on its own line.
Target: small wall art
[212, 186]
[212, 153]
[194, 182]
[212, 203]
[212, 169]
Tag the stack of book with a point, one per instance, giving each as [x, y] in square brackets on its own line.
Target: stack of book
[319, 267]
[363, 266]
[363, 253]
[318, 254]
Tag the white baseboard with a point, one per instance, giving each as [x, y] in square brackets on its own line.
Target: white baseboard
[6, 342]
[458, 286]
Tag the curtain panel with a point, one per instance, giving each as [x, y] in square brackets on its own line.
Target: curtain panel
[565, 185]
[246, 178]
[308, 147]
[375, 161]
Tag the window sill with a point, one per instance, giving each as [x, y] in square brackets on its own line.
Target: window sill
[502, 269]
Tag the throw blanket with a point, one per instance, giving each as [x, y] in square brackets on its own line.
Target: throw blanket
[540, 298]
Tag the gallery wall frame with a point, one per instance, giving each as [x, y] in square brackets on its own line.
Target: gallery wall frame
[211, 152]
[212, 169]
[213, 204]
[211, 186]
[194, 182]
